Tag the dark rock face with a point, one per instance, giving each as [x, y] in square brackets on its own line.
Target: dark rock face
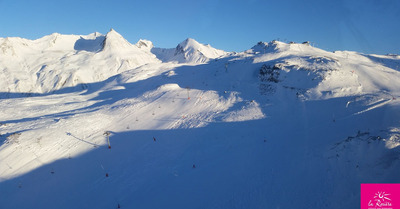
[269, 73]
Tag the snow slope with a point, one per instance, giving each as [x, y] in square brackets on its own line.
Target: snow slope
[277, 126]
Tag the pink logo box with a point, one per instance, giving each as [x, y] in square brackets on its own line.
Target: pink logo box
[380, 196]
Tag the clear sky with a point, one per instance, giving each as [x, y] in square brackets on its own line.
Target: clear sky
[369, 26]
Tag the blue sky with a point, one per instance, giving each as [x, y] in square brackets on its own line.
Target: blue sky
[369, 26]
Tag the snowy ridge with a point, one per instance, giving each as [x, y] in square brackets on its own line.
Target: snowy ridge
[193, 127]
[58, 61]
[317, 74]
[189, 51]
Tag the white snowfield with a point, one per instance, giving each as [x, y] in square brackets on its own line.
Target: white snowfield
[277, 126]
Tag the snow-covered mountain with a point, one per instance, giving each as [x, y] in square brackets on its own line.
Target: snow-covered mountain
[189, 51]
[58, 61]
[281, 125]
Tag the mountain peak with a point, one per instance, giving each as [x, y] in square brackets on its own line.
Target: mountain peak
[193, 51]
[189, 42]
[278, 46]
[113, 34]
[186, 45]
[265, 47]
[188, 51]
[114, 40]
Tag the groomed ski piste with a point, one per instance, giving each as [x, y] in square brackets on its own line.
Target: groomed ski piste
[281, 125]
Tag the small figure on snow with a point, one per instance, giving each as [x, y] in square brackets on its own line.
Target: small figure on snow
[154, 139]
[194, 166]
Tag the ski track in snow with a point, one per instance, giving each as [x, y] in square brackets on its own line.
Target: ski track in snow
[380, 104]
